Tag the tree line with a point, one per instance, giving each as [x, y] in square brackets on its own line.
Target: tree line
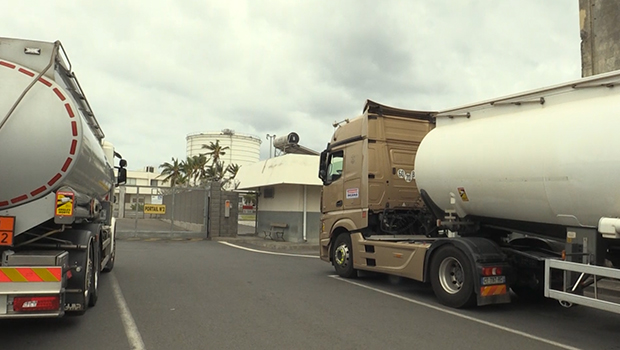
[201, 169]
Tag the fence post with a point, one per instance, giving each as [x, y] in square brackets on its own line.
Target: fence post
[172, 215]
[205, 219]
[135, 213]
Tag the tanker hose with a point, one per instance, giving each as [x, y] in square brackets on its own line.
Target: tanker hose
[41, 236]
[34, 81]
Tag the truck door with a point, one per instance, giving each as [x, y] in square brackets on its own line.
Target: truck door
[354, 190]
[334, 189]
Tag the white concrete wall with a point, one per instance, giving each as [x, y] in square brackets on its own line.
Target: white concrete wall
[137, 179]
[287, 207]
[313, 198]
[290, 198]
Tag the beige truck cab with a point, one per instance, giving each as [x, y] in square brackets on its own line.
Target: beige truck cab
[368, 175]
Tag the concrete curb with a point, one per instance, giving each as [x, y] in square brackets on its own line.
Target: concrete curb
[250, 240]
[269, 244]
[159, 234]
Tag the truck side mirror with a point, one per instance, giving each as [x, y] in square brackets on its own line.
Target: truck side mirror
[323, 166]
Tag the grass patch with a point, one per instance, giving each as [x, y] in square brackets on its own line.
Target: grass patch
[247, 217]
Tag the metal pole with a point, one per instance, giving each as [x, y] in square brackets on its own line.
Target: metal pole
[172, 215]
[205, 219]
[271, 138]
[256, 213]
[305, 212]
[135, 212]
[121, 202]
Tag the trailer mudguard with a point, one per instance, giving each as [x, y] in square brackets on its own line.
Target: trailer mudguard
[74, 298]
[480, 251]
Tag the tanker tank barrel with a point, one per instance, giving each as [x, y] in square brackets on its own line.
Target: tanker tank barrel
[48, 95]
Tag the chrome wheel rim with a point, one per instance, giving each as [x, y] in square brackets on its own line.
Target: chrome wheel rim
[342, 255]
[451, 275]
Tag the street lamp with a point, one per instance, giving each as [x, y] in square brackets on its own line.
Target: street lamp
[271, 138]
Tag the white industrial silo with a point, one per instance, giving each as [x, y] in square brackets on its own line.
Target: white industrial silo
[242, 148]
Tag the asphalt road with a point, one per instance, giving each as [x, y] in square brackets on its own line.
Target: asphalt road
[210, 295]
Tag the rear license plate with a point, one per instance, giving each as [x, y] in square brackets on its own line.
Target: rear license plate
[493, 280]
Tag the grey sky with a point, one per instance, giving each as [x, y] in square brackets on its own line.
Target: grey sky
[155, 71]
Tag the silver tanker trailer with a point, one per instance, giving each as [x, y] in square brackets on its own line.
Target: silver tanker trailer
[518, 193]
[57, 233]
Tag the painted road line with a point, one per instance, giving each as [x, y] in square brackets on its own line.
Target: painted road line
[268, 252]
[131, 330]
[454, 313]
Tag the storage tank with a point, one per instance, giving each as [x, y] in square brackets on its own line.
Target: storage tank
[242, 148]
[549, 156]
[45, 141]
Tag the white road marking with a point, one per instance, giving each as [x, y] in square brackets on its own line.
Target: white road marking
[267, 252]
[454, 313]
[131, 330]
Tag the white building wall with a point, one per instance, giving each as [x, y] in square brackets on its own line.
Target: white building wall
[284, 199]
[137, 179]
[313, 198]
[243, 149]
[290, 198]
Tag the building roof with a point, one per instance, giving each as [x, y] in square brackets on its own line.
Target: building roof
[292, 169]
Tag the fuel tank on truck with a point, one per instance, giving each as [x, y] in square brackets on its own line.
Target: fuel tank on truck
[49, 138]
[549, 156]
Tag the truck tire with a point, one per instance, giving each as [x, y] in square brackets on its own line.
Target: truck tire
[342, 257]
[110, 264]
[452, 277]
[530, 276]
[92, 272]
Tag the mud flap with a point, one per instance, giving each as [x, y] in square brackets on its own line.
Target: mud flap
[482, 252]
[75, 303]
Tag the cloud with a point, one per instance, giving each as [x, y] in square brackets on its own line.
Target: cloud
[155, 72]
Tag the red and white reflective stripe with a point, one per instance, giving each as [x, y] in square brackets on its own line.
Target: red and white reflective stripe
[498, 289]
[74, 141]
[30, 274]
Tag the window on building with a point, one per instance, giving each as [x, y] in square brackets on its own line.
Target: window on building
[131, 182]
[269, 192]
[154, 183]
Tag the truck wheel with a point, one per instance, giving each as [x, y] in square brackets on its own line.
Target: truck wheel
[452, 277]
[110, 264]
[91, 285]
[342, 258]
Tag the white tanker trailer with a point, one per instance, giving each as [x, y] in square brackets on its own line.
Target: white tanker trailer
[518, 193]
[57, 232]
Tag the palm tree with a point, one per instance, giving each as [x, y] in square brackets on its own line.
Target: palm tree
[215, 150]
[216, 172]
[232, 169]
[200, 168]
[172, 172]
[187, 168]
